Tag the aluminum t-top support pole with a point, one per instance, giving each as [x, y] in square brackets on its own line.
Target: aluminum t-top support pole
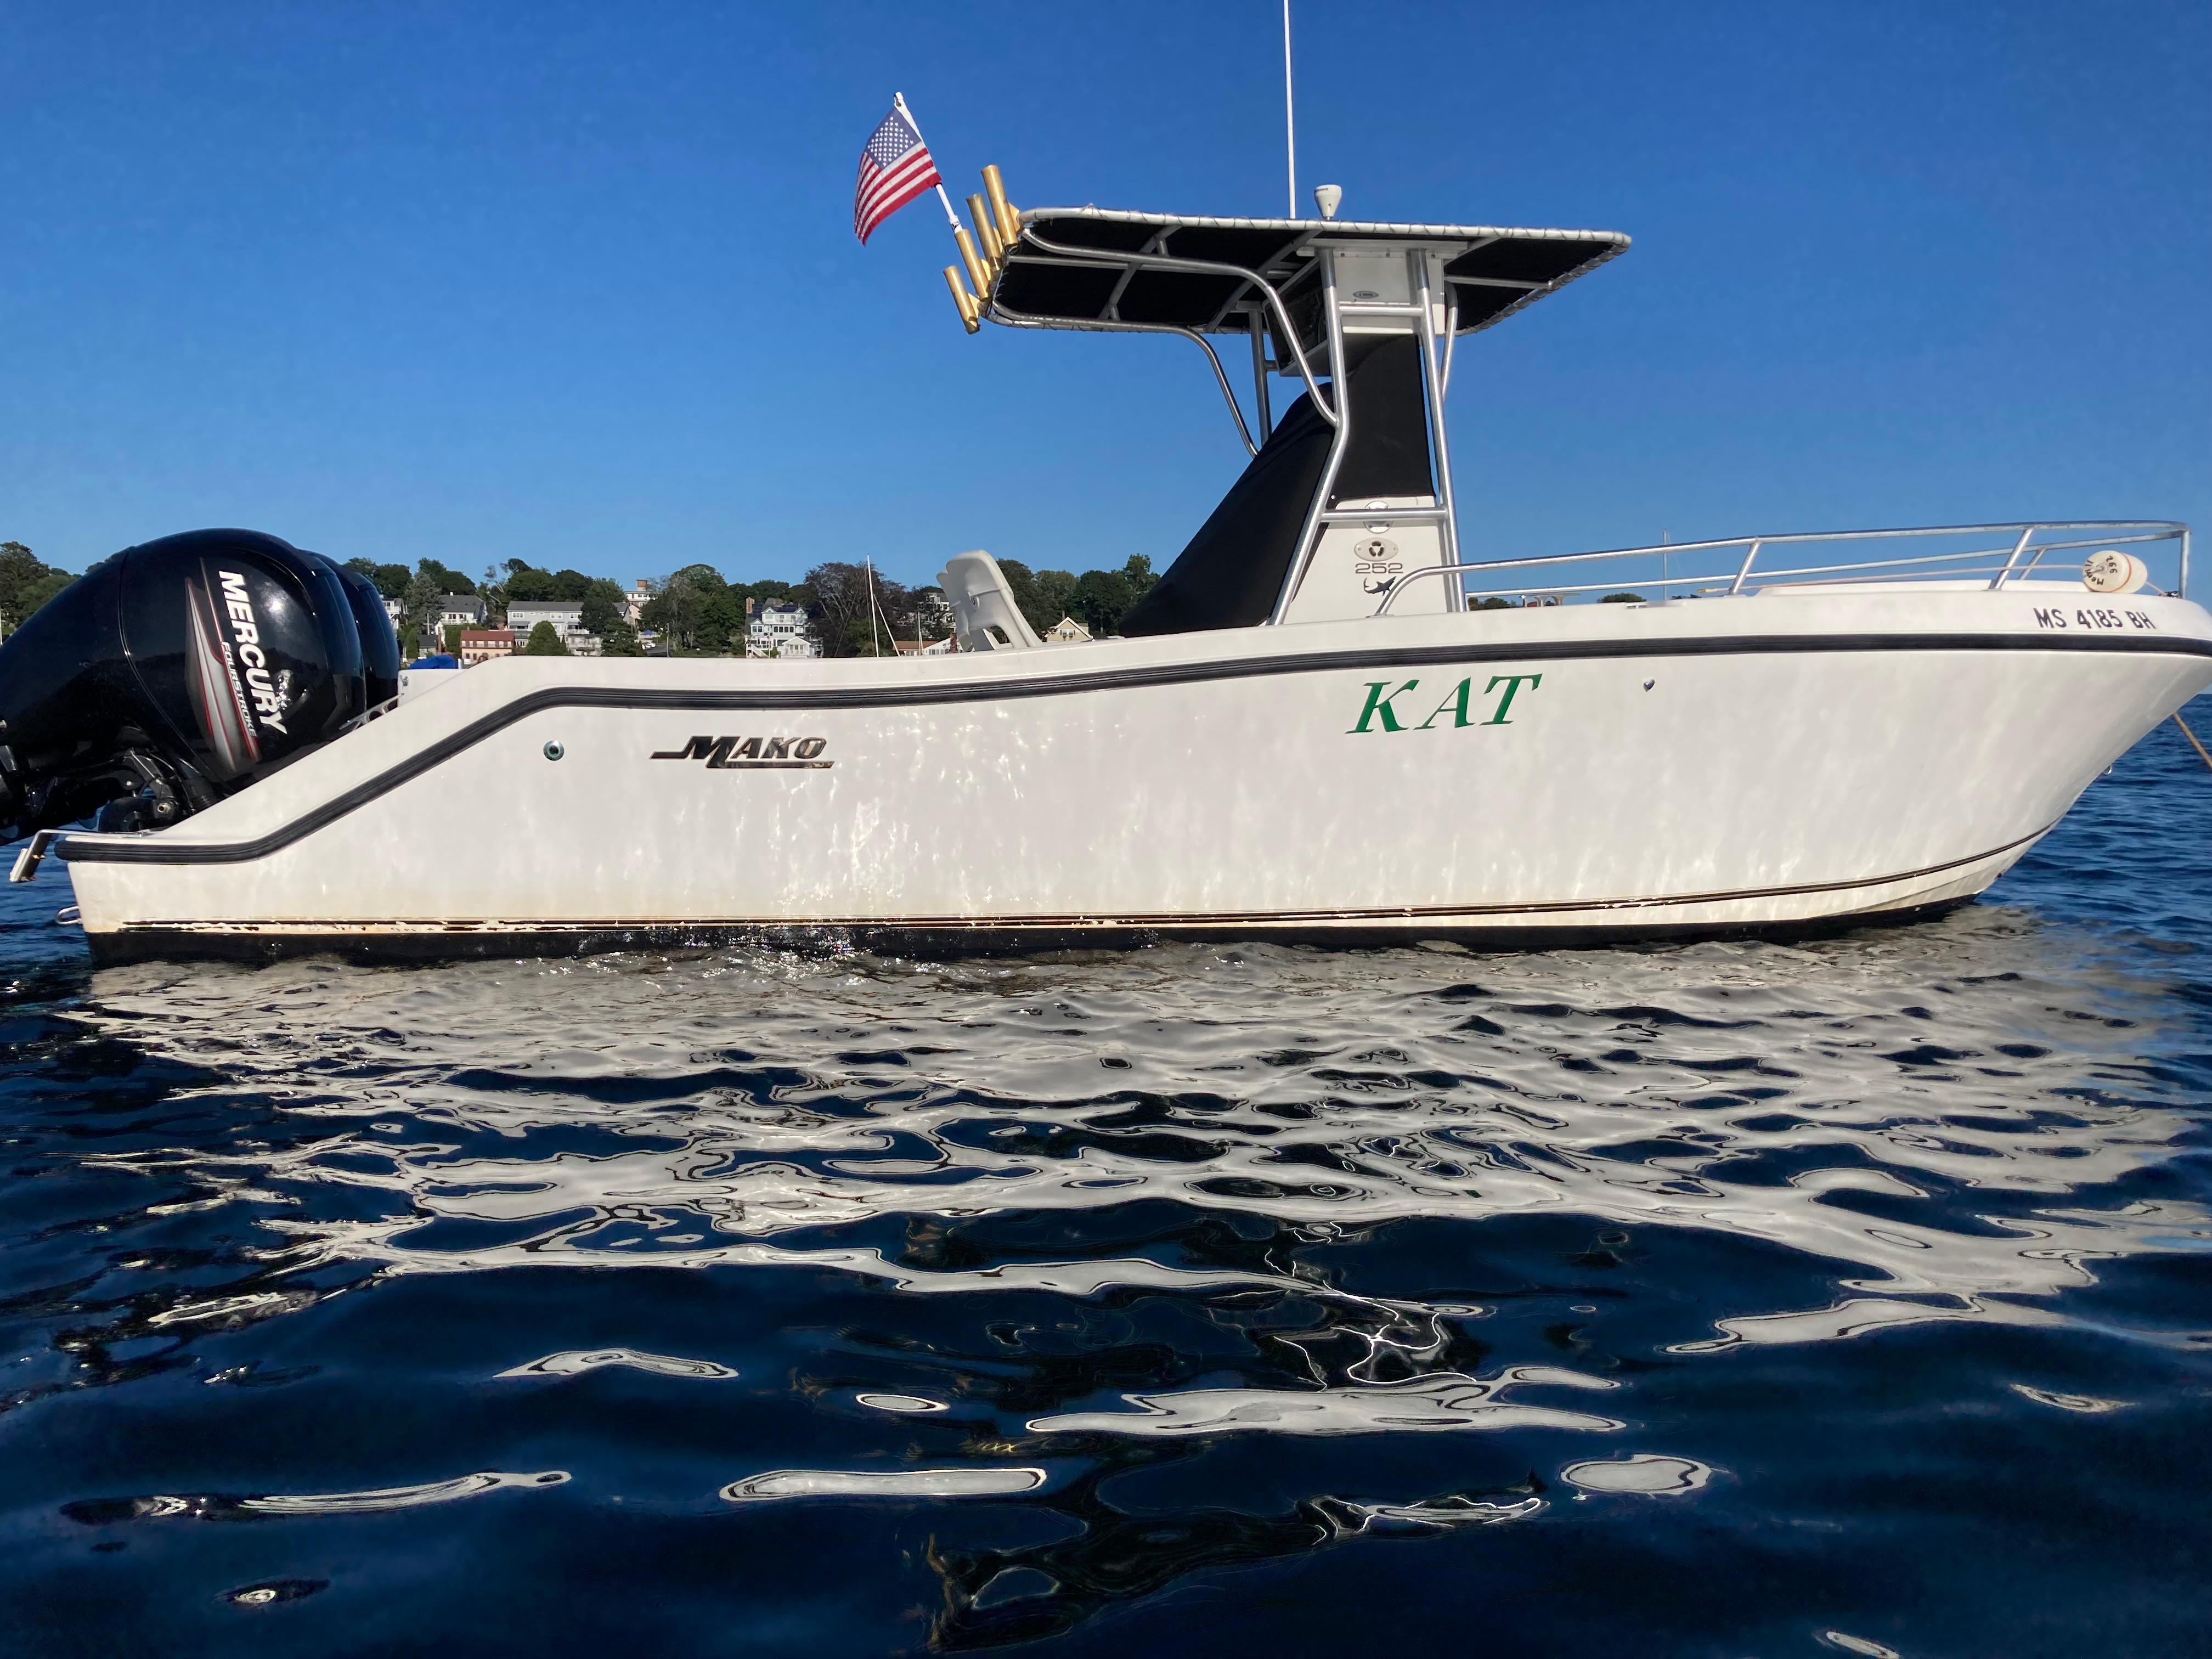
[1420, 260]
[1259, 374]
[1273, 301]
[1339, 445]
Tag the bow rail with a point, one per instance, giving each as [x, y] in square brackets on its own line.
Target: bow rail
[1995, 556]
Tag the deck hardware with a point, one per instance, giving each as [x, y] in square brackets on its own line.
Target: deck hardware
[553, 749]
[986, 233]
[27, 861]
[1009, 221]
[976, 273]
[971, 316]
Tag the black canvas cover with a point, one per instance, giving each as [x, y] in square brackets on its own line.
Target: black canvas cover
[1231, 571]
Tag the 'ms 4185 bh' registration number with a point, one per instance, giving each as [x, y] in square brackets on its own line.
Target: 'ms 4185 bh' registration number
[2092, 618]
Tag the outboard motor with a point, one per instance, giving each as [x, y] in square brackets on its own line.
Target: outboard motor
[379, 644]
[180, 672]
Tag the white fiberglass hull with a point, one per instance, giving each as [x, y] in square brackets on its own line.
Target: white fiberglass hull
[1768, 762]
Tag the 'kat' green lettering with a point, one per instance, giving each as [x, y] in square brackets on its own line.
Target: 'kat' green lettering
[1512, 683]
[1377, 704]
[1457, 703]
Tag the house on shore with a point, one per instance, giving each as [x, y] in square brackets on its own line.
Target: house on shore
[566, 616]
[775, 627]
[482, 644]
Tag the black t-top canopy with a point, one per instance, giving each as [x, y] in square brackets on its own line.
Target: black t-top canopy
[1080, 267]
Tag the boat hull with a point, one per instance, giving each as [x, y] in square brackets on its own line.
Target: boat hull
[1751, 764]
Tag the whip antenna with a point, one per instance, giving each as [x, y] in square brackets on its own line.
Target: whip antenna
[1290, 117]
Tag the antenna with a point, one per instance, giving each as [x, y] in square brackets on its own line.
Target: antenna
[1290, 115]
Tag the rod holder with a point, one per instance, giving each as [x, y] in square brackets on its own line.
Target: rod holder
[1009, 221]
[994, 247]
[970, 314]
[976, 273]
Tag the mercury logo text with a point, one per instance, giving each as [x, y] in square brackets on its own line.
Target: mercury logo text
[246, 639]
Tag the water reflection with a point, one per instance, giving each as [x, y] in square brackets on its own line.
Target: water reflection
[1155, 1205]
[764, 1109]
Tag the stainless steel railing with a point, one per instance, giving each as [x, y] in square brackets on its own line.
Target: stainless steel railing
[2001, 553]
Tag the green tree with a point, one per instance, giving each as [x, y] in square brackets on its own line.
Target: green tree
[1102, 597]
[453, 638]
[26, 583]
[44, 589]
[544, 640]
[857, 612]
[391, 579]
[722, 626]
[1055, 592]
[528, 583]
[678, 610]
[1622, 598]
[420, 610]
[450, 581]
[604, 615]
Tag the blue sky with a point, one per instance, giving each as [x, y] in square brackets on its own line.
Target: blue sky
[577, 284]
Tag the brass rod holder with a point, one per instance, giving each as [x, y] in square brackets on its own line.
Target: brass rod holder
[1009, 222]
[976, 273]
[969, 316]
[994, 248]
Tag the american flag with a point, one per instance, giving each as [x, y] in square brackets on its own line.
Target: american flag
[895, 168]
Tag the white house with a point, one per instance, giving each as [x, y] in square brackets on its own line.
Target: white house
[635, 600]
[566, 616]
[933, 608]
[776, 629]
[460, 610]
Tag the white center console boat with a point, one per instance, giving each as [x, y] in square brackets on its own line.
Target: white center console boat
[1321, 724]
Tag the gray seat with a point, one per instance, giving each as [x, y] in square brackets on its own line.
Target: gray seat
[984, 615]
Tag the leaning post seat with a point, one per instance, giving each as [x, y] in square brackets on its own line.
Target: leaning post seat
[984, 615]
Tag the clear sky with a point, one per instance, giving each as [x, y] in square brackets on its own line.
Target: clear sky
[577, 282]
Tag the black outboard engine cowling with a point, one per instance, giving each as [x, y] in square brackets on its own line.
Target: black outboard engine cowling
[379, 644]
[177, 672]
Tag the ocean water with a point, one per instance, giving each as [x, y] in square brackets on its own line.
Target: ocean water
[1850, 1296]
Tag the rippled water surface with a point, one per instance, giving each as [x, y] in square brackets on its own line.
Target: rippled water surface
[1850, 1296]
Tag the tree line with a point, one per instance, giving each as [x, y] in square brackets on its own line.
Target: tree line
[695, 612]
[421, 591]
[854, 613]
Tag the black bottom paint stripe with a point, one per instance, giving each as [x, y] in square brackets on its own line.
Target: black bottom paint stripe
[156, 849]
[140, 945]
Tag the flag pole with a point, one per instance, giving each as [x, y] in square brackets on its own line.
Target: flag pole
[899, 102]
